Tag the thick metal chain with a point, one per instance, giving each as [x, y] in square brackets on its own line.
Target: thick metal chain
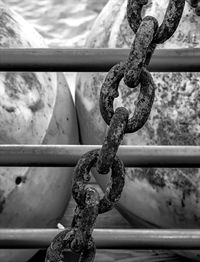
[134, 72]
[79, 237]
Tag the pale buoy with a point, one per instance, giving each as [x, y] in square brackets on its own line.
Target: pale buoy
[35, 108]
[165, 198]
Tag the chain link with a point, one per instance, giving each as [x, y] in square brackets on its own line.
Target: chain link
[134, 72]
[82, 173]
[79, 237]
[137, 57]
[113, 140]
[89, 205]
[109, 92]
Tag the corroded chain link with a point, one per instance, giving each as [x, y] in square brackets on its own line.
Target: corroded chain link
[134, 72]
[78, 238]
[89, 205]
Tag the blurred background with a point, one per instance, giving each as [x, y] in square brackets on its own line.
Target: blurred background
[62, 23]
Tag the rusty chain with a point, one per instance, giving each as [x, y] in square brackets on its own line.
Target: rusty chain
[134, 72]
[79, 237]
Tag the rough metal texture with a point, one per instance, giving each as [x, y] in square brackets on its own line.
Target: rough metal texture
[83, 225]
[144, 102]
[134, 10]
[54, 251]
[113, 192]
[171, 21]
[138, 53]
[112, 140]
[79, 237]
[109, 91]
[148, 35]
[82, 176]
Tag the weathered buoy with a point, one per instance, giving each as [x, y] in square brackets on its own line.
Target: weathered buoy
[35, 108]
[153, 197]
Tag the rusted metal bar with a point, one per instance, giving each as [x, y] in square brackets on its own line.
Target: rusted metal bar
[91, 60]
[107, 238]
[68, 155]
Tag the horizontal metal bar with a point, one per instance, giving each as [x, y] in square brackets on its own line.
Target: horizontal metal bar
[68, 155]
[107, 238]
[91, 60]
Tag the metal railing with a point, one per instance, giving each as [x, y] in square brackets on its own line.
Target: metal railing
[68, 155]
[91, 60]
[86, 60]
[107, 238]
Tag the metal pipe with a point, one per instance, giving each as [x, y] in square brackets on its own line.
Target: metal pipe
[91, 60]
[68, 155]
[107, 238]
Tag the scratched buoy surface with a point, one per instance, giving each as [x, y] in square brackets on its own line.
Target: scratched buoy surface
[35, 108]
[167, 198]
